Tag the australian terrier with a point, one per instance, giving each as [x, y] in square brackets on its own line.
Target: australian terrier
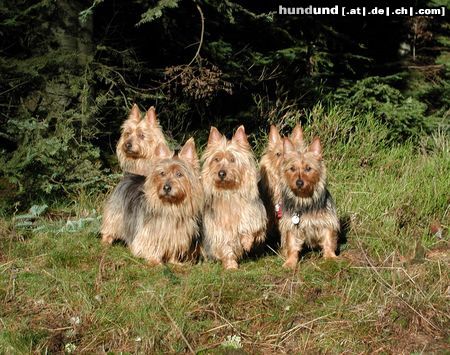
[158, 216]
[138, 141]
[309, 213]
[234, 217]
[270, 184]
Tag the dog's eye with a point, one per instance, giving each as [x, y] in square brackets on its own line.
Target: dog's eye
[141, 136]
[292, 168]
[216, 160]
[162, 173]
[308, 169]
[278, 154]
[232, 160]
[126, 134]
[178, 174]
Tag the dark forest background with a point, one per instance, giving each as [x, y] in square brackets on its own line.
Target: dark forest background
[70, 71]
[375, 89]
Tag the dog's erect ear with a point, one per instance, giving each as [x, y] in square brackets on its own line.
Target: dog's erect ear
[162, 151]
[274, 135]
[135, 114]
[214, 136]
[151, 117]
[288, 147]
[240, 136]
[316, 148]
[189, 153]
[297, 135]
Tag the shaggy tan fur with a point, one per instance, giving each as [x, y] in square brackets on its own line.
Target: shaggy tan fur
[158, 216]
[136, 146]
[234, 217]
[270, 184]
[270, 168]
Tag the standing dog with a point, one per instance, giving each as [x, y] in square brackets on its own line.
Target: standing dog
[309, 213]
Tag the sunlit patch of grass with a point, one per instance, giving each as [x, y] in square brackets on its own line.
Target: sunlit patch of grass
[388, 290]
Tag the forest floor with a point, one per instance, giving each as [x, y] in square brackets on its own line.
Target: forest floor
[388, 291]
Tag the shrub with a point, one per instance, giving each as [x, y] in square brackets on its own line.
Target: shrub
[52, 156]
[404, 116]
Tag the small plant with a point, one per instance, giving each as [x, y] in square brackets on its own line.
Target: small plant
[73, 226]
[232, 342]
[27, 221]
[33, 221]
[70, 348]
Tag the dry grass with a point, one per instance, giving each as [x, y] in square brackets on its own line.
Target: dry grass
[388, 292]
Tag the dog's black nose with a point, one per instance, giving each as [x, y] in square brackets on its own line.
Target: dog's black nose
[167, 188]
[299, 183]
[222, 174]
[128, 145]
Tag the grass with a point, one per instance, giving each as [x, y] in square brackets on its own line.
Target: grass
[388, 292]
